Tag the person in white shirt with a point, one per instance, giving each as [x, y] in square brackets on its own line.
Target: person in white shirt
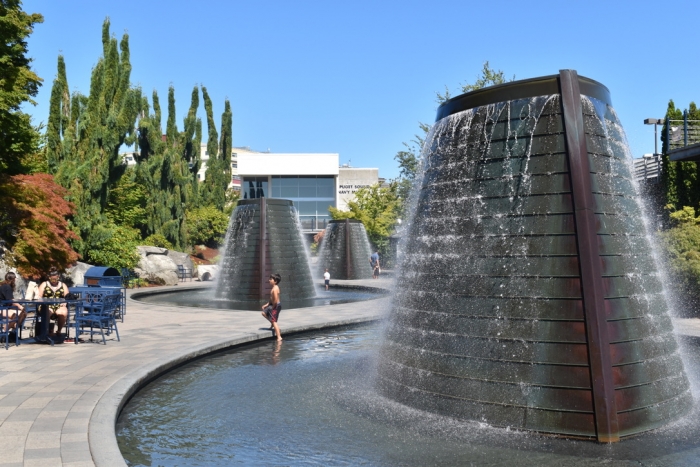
[327, 278]
[32, 288]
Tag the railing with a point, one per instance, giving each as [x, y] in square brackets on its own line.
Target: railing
[681, 133]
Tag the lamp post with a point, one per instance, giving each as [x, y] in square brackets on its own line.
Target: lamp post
[655, 122]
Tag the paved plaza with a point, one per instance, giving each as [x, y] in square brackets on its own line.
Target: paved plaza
[58, 405]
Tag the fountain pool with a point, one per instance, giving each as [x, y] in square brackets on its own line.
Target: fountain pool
[309, 401]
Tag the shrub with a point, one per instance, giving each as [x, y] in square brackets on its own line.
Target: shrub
[33, 223]
[206, 226]
[682, 245]
[158, 240]
[113, 245]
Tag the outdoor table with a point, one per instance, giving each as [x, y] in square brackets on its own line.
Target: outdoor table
[42, 310]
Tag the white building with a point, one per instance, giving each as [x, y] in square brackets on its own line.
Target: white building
[314, 182]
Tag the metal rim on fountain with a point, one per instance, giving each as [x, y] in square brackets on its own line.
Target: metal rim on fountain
[522, 89]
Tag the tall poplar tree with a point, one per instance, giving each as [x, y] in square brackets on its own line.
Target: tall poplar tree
[223, 176]
[85, 150]
[212, 152]
[191, 149]
[163, 169]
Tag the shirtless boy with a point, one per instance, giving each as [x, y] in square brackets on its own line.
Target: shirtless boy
[271, 310]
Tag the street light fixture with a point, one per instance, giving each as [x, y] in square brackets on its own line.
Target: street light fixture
[655, 122]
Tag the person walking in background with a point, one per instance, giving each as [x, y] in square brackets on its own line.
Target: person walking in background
[374, 262]
[271, 310]
[327, 278]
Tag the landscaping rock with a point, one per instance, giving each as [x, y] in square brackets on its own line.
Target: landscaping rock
[156, 266]
[203, 269]
[77, 273]
[181, 259]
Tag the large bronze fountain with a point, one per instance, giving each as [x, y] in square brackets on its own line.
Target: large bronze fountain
[528, 295]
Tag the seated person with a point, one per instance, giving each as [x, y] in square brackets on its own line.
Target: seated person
[53, 288]
[7, 289]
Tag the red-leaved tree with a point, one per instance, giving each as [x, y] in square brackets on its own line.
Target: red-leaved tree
[33, 223]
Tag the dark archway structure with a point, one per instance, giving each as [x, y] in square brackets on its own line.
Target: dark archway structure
[528, 296]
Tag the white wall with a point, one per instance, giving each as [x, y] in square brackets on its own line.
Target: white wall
[351, 179]
[287, 164]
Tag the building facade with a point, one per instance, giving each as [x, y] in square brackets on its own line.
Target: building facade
[313, 182]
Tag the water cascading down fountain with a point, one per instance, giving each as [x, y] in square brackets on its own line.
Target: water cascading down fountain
[263, 238]
[528, 295]
[345, 250]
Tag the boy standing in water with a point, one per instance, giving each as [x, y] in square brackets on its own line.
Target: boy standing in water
[271, 310]
[327, 278]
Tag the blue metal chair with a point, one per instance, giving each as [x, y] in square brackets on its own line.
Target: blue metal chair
[5, 321]
[99, 310]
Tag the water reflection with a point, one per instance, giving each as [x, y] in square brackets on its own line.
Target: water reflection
[309, 400]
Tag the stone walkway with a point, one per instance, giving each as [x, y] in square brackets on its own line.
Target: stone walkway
[58, 405]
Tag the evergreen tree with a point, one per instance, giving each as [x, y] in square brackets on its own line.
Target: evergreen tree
[164, 172]
[210, 177]
[223, 176]
[191, 149]
[18, 84]
[59, 119]
[150, 149]
[681, 179]
[85, 150]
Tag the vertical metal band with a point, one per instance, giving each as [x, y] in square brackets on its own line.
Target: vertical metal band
[348, 266]
[589, 259]
[263, 246]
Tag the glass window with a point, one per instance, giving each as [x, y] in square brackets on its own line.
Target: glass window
[322, 206]
[254, 187]
[289, 181]
[307, 192]
[276, 191]
[307, 208]
[289, 192]
[304, 181]
[325, 192]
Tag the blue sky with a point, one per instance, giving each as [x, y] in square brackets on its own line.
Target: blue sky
[355, 78]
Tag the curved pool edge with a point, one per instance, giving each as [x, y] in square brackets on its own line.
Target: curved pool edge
[102, 438]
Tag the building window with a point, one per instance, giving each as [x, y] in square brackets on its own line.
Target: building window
[254, 187]
[312, 196]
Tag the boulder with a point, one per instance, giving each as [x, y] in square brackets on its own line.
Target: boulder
[156, 266]
[207, 272]
[77, 273]
[181, 259]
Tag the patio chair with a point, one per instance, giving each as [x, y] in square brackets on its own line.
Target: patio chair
[129, 278]
[183, 272]
[99, 310]
[5, 321]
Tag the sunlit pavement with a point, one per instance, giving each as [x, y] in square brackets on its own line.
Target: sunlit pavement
[58, 405]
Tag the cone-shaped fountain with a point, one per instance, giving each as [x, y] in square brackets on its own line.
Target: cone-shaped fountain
[263, 238]
[529, 296]
[345, 250]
